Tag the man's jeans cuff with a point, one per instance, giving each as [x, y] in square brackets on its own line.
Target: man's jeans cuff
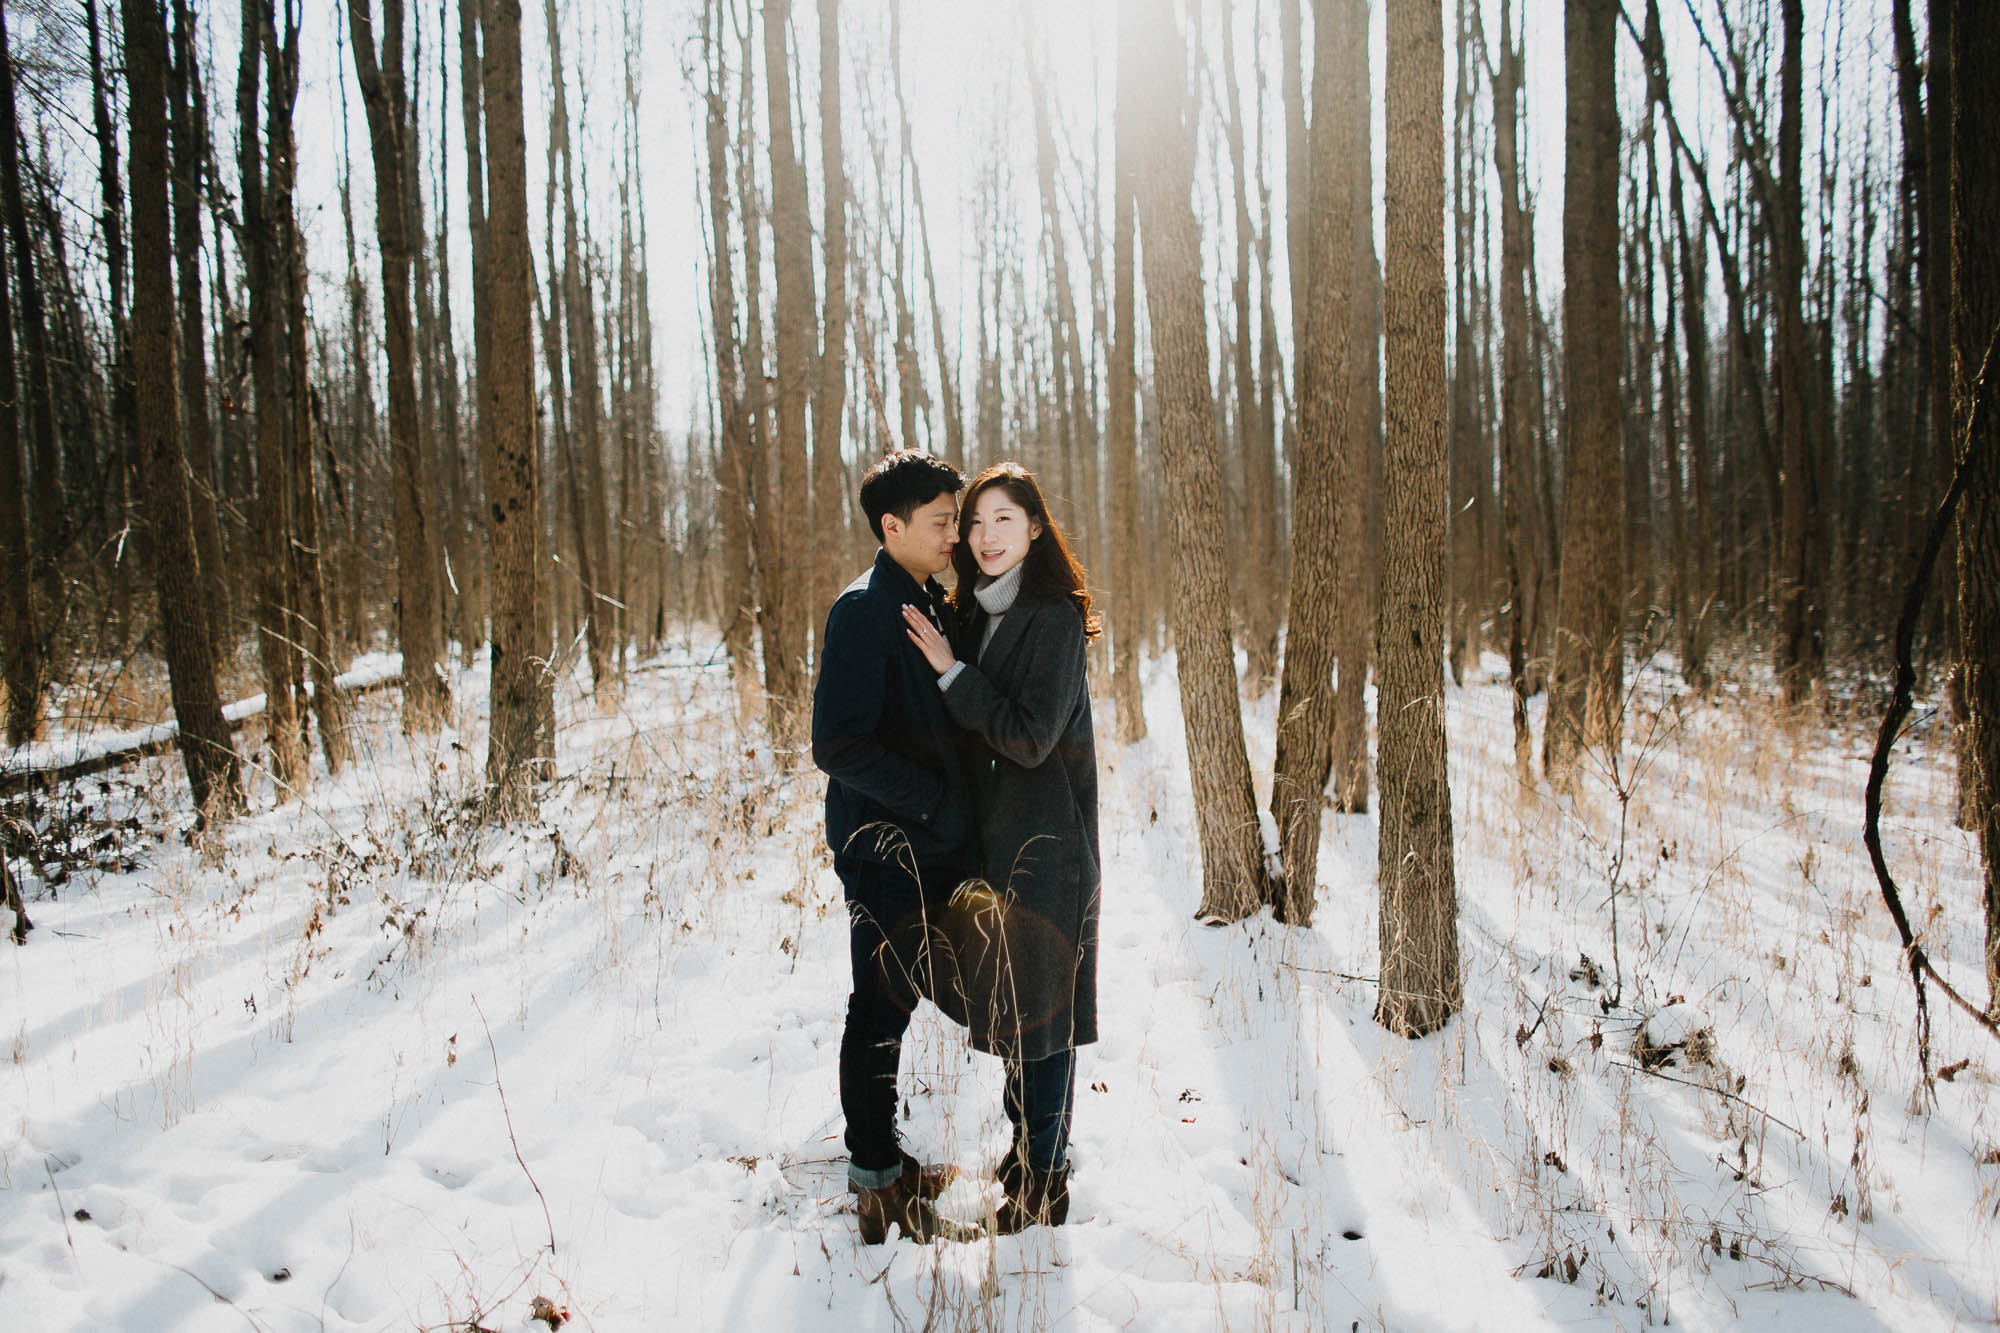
[862, 1178]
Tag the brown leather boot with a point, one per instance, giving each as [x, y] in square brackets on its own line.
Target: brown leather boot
[1041, 1199]
[896, 1202]
[930, 1181]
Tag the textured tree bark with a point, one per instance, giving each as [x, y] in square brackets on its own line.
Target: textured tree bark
[1420, 986]
[1126, 611]
[829, 499]
[36, 398]
[277, 648]
[18, 553]
[1516, 440]
[1801, 655]
[1703, 592]
[111, 220]
[785, 584]
[1975, 329]
[1326, 485]
[418, 627]
[204, 735]
[586, 403]
[18, 640]
[521, 687]
[738, 595]
[1358, 439]
[1233, 878]
[1586, 691]
[757, 385]
[190, 156]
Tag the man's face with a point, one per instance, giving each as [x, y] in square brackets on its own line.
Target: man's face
[923, 544]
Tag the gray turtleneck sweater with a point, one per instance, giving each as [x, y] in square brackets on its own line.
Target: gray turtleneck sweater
[996, 597]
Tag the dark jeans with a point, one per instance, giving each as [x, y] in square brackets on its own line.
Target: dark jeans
[1041, 1101]
[888, 910]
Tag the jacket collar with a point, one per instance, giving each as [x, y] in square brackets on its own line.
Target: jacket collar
[893, 576]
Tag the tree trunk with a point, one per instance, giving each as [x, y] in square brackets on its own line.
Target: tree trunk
[520, 680]
[1703, 592]
[1233, 878]
[1420, 986]
[124, 430]
[18, 639]
[262, 231]
[425, 696]
[1586, 692]
[1975, 329]
[1126, 613]
[310, 642]
[786, 586]
[19, 554]
[190, 149]
[1800, 656]
[830, 402]
[739, 586]
[586, 400]
[204, 735]
[1516, 440]
[1323, 487]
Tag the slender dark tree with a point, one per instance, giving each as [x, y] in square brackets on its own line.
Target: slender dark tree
[385, 94]
[1585, 692]
[204, 734]
[784, 594]
[1122, 445]
[1975, 348]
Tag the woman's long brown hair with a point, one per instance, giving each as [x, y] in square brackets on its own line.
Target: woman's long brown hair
[1050, 569]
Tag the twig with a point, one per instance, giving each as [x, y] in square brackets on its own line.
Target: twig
[62, 1209]
[1892, 721]
[1705, 1087]
[508, 1115]
[1326, 972]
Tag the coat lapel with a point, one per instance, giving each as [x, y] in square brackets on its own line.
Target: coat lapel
[1006, 637]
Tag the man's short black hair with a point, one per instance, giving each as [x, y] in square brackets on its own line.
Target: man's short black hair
[903, 482]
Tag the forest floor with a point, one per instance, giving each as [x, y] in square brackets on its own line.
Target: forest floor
[362, 1063]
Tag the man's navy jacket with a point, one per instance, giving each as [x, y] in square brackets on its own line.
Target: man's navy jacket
[897, 787]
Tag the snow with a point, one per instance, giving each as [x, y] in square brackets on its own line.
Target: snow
[370, 1064]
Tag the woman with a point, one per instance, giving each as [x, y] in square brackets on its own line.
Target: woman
[1026, 938]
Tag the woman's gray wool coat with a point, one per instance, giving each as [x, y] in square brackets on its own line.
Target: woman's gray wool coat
[1025, 943]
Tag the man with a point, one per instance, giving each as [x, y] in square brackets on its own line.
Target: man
[898, 817]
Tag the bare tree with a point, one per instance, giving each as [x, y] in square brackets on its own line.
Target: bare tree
[782, 584]
[739, 589]
[418, 626]
[1233, 878]
[204, 734]
[520, 677]
[1585, 693]
[1420, 986]
[1799, 655]
[1326, 481]
[27, 364]
[830, 399]
[1975, 334]
[1123, 443]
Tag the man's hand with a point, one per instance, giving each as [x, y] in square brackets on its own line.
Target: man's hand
[929, 642]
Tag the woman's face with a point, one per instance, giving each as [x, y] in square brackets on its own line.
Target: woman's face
[1000, 532]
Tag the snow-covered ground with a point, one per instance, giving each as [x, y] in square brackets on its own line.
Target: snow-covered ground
[369, 1065]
